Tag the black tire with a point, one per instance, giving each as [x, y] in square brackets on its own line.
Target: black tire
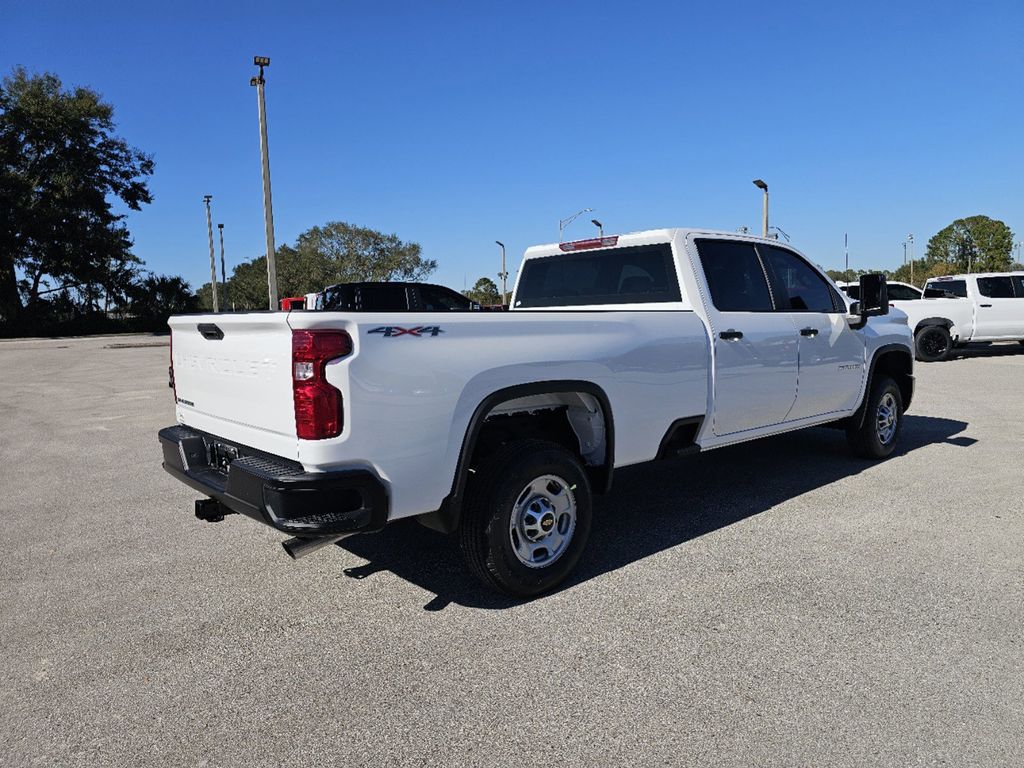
[932, 344]
[870, 440]
[498, 491]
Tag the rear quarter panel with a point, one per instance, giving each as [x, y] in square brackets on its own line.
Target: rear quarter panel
[409, 398]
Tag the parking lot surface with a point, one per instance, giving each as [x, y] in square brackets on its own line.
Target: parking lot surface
[776, 603]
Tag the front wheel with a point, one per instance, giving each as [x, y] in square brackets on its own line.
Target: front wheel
[527, 517]
[877, 435]
[932, 344]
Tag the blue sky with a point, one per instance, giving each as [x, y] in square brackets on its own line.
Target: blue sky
[456, 124]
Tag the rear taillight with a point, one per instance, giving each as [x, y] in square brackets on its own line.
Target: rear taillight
[170, 368]
[318, 406]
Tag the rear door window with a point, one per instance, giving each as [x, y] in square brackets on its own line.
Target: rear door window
[1018, 286]
[642, 274]
[902, 293]
[735, 277]
[434, 298]
[995, 287]
[797, 286]
[383, 298]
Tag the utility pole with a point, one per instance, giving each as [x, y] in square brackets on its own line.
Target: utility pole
[764, 212]
[503, 274]
[268, 209]
[846, 248]
[223, 277]
[213, 264]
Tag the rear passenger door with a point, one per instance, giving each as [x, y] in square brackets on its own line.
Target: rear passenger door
[831, 354]
[755, 360]
[999, 314]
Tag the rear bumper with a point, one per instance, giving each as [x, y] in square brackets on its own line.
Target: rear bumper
[275, 491]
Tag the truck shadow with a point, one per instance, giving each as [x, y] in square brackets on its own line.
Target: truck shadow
[987, 350]
[652, 507]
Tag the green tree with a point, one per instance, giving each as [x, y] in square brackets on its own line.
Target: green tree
[156, 297]
[337, 252]
[484, 292]
[61, 166]
[976, 243]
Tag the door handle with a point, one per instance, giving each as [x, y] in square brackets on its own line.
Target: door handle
[984, 305]
[731, 335]
[808, 331]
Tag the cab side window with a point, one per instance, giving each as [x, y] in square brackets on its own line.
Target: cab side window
[902, 293]
[995, 287]
[735, 278]
[797, 286]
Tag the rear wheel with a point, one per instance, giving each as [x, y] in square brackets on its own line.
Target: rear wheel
[879, 432]
[932, 343]
[527, 517]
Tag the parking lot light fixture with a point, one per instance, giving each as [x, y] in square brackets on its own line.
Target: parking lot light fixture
[268, 209]
[760, 184]
[504, 273]
[563, 223]
[600, 227]
[213, 264]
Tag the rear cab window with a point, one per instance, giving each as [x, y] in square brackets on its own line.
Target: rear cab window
[642, 274]
[956, 288]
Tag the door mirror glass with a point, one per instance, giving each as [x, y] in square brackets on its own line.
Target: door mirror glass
[874, 296]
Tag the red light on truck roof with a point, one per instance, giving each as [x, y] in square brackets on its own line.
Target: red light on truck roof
[594, 242]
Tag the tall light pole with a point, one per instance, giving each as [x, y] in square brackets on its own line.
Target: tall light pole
[600, 227]
[213, 264]
[563, 223]
[268, 209]
[764, 214]
[223, 277]
[503, 274]
[846, 249]
[910, 241]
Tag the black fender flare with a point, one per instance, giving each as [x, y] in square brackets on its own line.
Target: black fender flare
[446, 518]
[857, 419]
[930, 321]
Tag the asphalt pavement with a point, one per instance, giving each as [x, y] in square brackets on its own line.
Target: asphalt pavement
[778, 603]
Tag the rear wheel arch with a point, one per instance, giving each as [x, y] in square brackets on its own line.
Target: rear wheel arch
[598, 467]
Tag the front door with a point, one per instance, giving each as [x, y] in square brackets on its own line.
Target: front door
[755, 348]
[832, 355]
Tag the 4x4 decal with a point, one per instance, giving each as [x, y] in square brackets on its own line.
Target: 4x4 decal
[419, 331]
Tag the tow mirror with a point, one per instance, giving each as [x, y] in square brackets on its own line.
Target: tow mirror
[874, 296]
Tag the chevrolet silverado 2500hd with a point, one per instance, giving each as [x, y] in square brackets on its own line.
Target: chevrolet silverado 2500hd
[498, 427]
[986, 306]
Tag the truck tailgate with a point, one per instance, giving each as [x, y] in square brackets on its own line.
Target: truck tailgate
[232, 378]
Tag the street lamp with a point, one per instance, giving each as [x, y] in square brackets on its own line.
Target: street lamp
[910, 242]
[213, 263]
[764, 218]
[223, 277]
[503, 274]
[268, 210]
[600, 227]
[563, 223]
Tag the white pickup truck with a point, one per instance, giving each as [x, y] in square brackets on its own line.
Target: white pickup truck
[498, 427]
[959, 309]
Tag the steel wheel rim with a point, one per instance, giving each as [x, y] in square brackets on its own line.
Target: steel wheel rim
[543, 521]
[933, 343]
[887, 418]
